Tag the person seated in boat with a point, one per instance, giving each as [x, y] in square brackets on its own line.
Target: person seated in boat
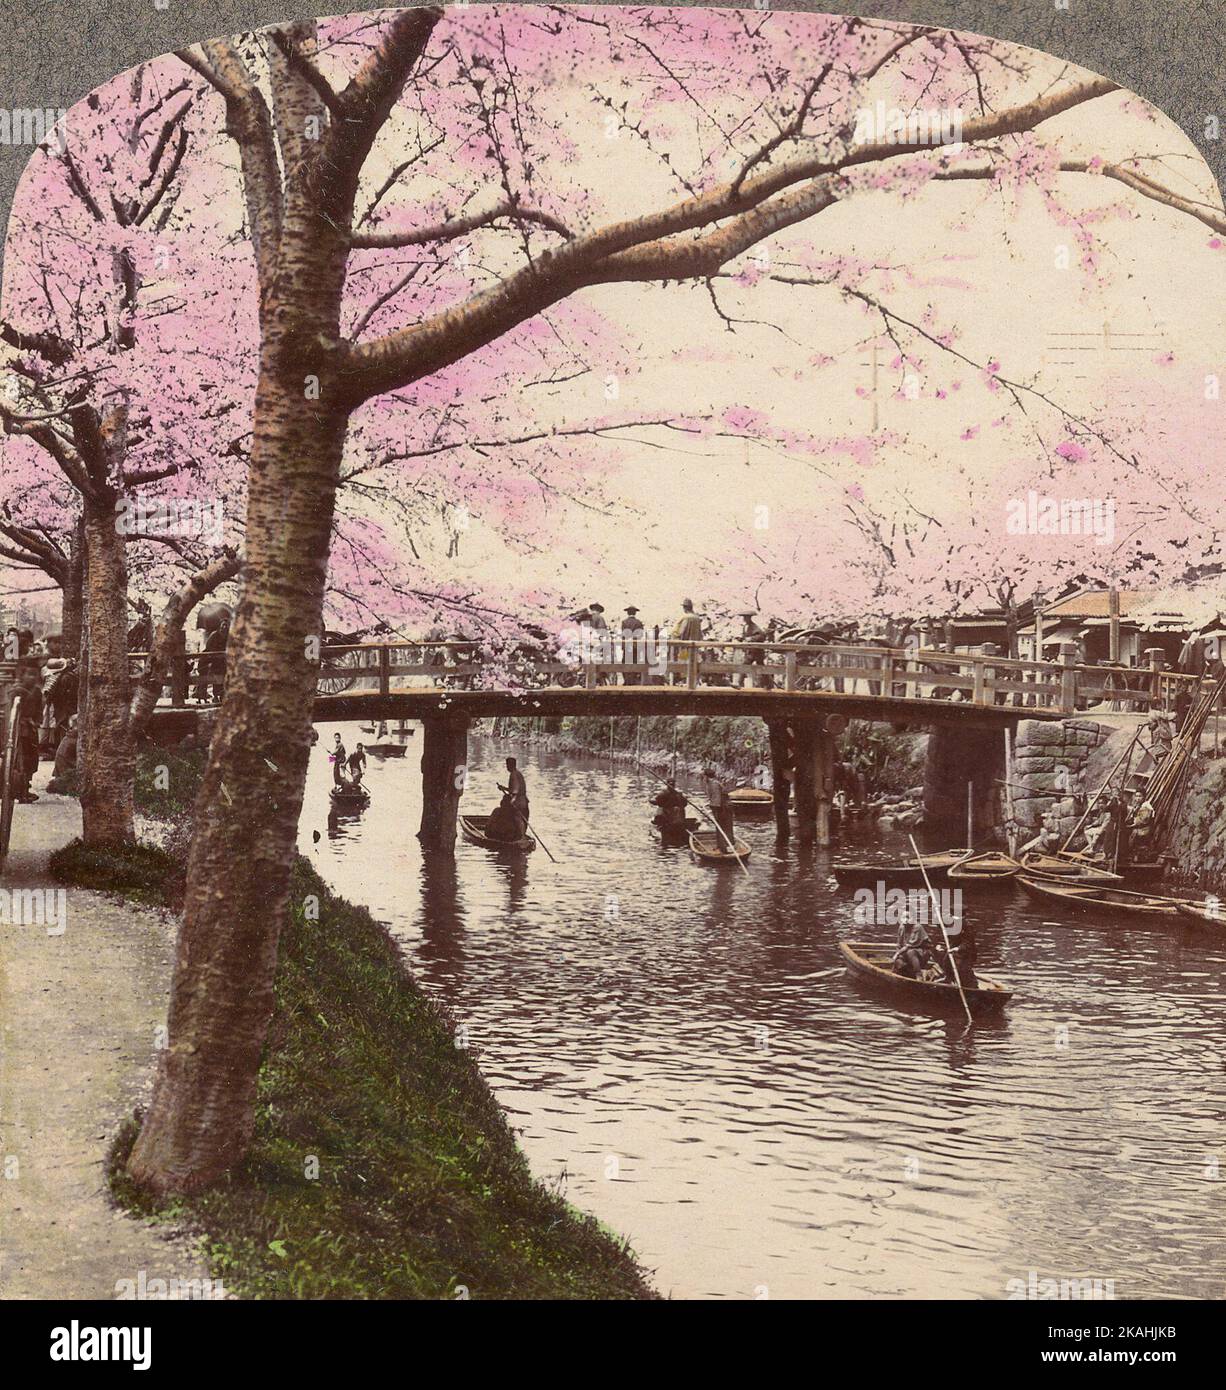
[914, 951]
[357, 765]
[504, 824]
[672, 807]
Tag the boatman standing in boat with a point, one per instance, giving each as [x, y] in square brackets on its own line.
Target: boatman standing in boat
[339, 759]
[357, 765]
[721, 807]
[517, 789]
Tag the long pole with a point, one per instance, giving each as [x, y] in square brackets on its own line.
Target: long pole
[1009, 792]
[970, 815]
[936, 907]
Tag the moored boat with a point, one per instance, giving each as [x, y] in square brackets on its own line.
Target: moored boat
[1100, 899]
[708, 847]
[748, 802]
[902, 875]
[993, 869]
[873, 961]
[387, 750]
[473, 830]
[1039, 865]
[1210, 913]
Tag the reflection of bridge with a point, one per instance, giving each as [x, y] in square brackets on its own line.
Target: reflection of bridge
[804, 693]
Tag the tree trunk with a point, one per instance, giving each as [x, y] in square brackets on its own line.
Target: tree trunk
[104, 748]
[166, 636]
[246, 816]
[72, 601]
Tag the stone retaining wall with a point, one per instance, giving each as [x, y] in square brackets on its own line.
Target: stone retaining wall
[1049, 764]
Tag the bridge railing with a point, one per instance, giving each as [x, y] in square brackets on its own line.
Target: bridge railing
[609, 659]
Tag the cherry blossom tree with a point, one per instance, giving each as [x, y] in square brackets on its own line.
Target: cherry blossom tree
[369, 138]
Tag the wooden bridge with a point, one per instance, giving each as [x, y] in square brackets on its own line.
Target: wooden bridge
[804, 693]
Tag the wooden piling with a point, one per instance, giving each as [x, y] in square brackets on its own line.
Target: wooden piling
[781, 768]
[804, 757]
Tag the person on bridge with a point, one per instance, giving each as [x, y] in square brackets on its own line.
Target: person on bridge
[517, 790]
[672, 807]
[687, 628]
[756, 653]
[721, 807]
[634, 645]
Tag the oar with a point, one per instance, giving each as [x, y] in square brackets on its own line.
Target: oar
[936, 907]
[527, 828]
[719, 828]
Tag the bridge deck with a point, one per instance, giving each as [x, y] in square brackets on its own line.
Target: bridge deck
[619, 701]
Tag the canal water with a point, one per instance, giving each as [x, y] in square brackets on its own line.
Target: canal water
[682, 1048]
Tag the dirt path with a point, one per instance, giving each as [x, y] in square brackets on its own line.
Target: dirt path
[79, 1017]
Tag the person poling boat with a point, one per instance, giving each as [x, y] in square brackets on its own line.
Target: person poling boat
[516, 789]
[720, 804]
[920, 958]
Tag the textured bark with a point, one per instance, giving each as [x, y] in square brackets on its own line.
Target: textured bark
[444, 755]
[73, 603]
[104, 747]
[246, 817]
[166, 642]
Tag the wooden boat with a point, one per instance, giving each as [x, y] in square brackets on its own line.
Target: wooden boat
[990, 870]
[708, 847]
[1039, 865]
[473, 830]
[872, 961]
[387, 750]
[1087, 897]
[901, 875]
[748, 802]
[1210, 913]
[350, 798]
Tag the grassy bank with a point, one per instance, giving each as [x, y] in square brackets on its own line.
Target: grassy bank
[382, 1166]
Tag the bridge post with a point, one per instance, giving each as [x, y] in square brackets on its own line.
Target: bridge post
[385, 669]
[178, 671]
[804, 758]
[781, 780]
[1068, 678]
[444, 764]
[823, 783]
[1153, 658]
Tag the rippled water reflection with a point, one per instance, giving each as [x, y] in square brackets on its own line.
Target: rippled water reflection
[683, 1045]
